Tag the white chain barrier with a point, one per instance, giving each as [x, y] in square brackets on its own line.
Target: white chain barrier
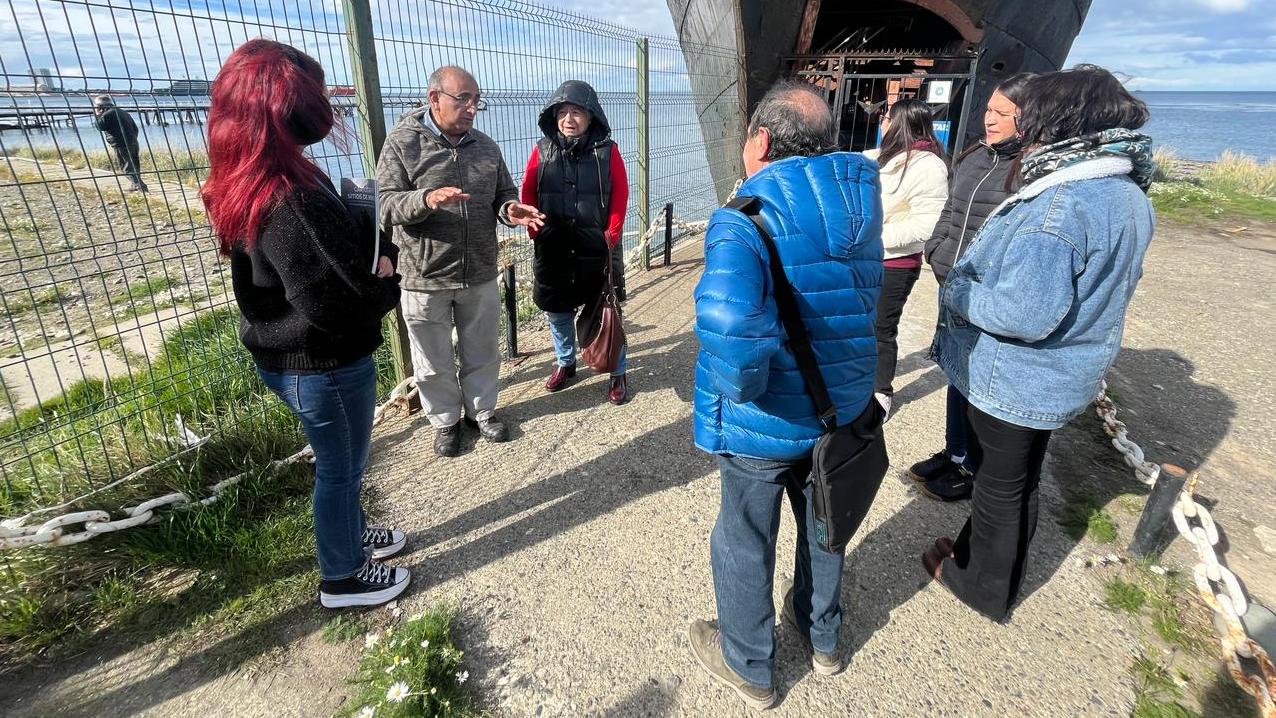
[644, 242]
[1219, 588]
[1144, 470]
[61, 530]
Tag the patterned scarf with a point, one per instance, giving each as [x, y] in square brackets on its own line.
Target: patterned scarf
[1119, 142]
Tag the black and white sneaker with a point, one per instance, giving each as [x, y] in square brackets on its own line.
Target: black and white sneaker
[381, 542]
[955, 484]
[372, 585]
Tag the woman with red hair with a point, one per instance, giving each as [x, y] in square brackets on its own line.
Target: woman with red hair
[311, 306]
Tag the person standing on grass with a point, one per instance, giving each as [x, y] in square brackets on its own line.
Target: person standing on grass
[1032, 314]
[310, 304]
[121, 136]
[914, 179]
[752, 409]
[982, 177]
[576, 176]
[443, 186]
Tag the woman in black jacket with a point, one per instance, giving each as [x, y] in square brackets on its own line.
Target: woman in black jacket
[310, 292]
[982, 178]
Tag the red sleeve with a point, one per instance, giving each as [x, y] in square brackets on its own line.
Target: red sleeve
[618, 204]
[528, 193]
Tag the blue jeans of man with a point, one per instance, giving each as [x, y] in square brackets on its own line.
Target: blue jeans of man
[742, 550]
[335, 409]
[562, 329]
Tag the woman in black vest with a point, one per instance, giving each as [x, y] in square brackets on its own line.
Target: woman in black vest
[982, 177]
[576, 177]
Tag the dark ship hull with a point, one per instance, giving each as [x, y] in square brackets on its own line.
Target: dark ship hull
[864, 54]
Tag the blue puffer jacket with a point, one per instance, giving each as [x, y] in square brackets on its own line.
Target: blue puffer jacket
[826, 216]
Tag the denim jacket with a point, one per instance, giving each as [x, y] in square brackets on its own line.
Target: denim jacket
[1032, 315]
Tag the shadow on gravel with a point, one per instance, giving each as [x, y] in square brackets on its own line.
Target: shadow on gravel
[653, 700]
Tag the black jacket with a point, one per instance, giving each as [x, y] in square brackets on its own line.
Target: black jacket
[573, 188]
[306, 291]
[977, 187]
[119, 127]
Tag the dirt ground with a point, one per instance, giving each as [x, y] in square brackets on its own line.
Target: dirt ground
[578, 553]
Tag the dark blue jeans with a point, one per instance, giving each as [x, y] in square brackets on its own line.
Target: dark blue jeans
[335, 409]
[742, 550]
[955, 424]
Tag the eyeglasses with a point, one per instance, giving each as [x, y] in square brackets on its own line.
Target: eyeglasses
[466, 99]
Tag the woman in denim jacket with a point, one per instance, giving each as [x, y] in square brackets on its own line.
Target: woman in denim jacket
[1032, 314]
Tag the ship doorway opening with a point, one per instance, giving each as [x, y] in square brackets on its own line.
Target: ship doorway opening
[864, 60]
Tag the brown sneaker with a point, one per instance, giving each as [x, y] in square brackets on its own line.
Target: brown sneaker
[558, 379]
[706, 646]
[825, 664]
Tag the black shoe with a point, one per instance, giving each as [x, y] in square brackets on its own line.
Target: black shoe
[928, 469]
[956, 484]
[447, 440]
[372, 585]
[491, 428]
[383, 542]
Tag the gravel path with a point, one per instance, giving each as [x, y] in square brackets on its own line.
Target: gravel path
[578, 552]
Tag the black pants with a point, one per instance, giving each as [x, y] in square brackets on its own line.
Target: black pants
[129, 158]
[896, 284]
[991, 551]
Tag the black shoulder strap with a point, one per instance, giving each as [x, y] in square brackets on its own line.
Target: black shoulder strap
[786, 304]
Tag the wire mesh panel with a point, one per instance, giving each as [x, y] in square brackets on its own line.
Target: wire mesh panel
[118, 347]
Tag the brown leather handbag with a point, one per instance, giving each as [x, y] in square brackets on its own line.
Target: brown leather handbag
[600, 331]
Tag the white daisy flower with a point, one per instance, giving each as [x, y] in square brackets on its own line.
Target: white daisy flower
[397, 692]
[366, 712]
[371, 640]
[462, 677]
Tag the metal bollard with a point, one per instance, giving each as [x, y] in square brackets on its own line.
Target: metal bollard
[511, 312]
[1156, 525]
[668, 233]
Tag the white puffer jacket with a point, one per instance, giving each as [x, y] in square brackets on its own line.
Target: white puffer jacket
[911, 206]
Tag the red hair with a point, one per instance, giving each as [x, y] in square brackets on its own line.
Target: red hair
[268, 102]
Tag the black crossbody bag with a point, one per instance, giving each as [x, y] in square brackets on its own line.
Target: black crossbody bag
[849, 461]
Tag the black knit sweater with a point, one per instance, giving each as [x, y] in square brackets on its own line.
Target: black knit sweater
[306, 292]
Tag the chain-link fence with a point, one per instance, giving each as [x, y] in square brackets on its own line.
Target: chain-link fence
[118, 348]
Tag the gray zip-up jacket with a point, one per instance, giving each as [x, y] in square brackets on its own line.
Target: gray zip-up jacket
[454, 246]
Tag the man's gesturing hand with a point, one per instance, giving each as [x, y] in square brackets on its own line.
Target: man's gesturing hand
[525, 215]
[444, 195]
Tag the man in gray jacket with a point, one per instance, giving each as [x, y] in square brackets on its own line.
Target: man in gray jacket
[443, 186]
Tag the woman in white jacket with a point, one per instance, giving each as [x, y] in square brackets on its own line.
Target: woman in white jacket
[914, 188]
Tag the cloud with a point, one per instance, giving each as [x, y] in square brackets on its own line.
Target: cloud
[1181, 44]
[1226, 5]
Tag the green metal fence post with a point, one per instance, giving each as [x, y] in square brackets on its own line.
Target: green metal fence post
[367, 84]
[644, 152]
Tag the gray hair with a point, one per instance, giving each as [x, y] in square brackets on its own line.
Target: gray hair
[798, 120]
[103, 101]
[436, 78]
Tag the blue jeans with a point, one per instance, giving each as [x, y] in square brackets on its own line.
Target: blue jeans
[562, 328]
[335, 409]
[742, 550]
[955, 423]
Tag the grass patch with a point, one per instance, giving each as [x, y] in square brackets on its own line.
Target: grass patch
[1083, 517]
[1241, 175]
[1157, 694]
[23, 302]
[187, 167]
[234, 565]
[414, 669]
[343, 628]
[1124, 596]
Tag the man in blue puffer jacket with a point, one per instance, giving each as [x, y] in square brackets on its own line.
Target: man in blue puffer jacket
[752, 408]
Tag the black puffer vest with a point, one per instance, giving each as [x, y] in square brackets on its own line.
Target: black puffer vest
[977, 186]
[573, 188]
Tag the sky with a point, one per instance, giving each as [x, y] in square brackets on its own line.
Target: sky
[1156, 44]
